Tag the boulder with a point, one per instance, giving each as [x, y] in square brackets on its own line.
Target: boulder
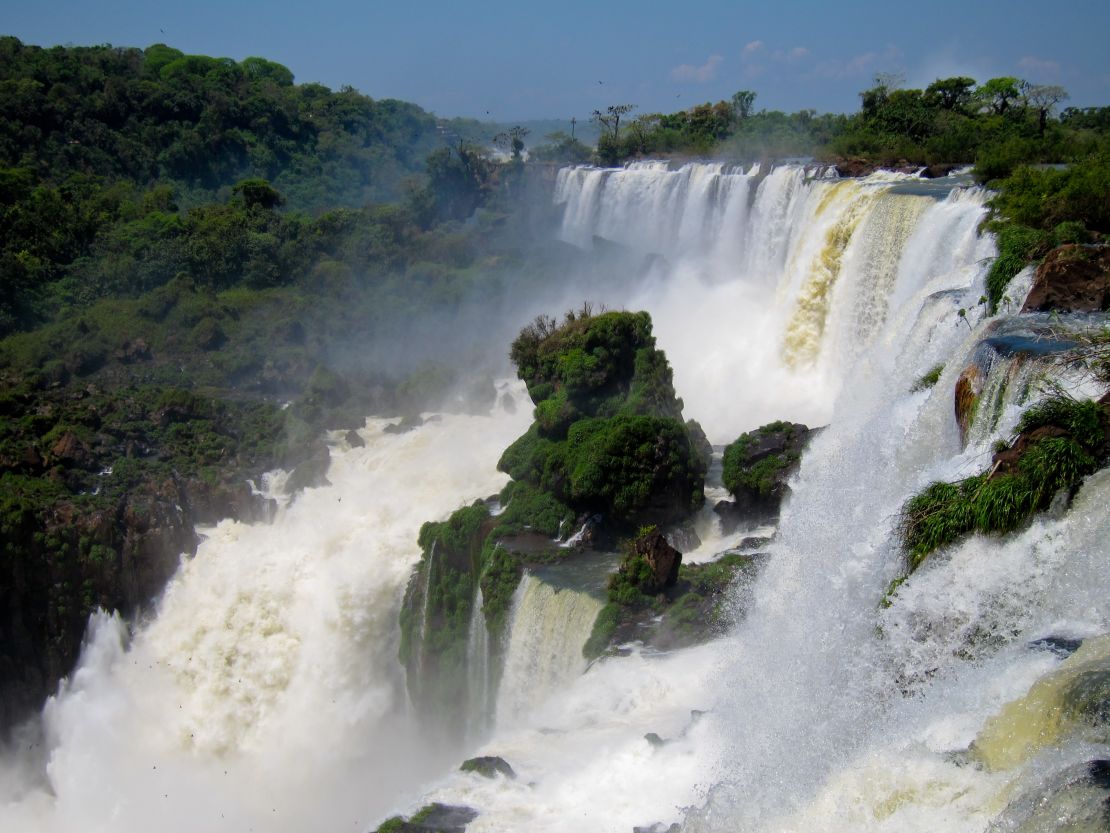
[940, 169]
[756, 468]
[488, 766]
[662, 559]
[969, 387]
[71, 451]
[1072, 278]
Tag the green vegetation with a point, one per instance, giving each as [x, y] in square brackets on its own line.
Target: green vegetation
[928, 379]
[1036, 210]
[608, 435]
[1060, 441]
[748, 468]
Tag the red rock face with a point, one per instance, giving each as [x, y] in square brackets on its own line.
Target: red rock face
[968, 388]
[1072, 278]
[663, 559]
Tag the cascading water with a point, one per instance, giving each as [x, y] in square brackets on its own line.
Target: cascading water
[266, 693]
[548, 628]
[478, 670]
[779, 295]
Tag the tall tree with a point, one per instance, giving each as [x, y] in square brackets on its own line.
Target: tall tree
[742, 102]
[999, 94]
[611, 118]
[1043, 98]
[950, 93]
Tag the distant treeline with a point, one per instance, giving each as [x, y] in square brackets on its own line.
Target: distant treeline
[995, 125]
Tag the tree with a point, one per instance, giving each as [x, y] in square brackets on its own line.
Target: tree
[611, 118]
[1043, 98]
[258, 192]
[998, 94]
[742, 102]
[872, 100]
[950, 93]
[512, 141]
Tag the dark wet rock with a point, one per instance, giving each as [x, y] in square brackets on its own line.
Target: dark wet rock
[354, 439]
[488, 766]
[757, 466]
[407, 423]
[698, 607]
[1074, 798]
[856, 166]
[658, 827]
[752, 543]
[1063, 646]
[1072, 278]
[683, 538]
[938, 170]
[508, 403]
[662, 559]
[730, 516]
[654, 740]
[311, 472]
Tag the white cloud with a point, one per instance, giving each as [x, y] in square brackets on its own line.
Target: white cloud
[863, 64]
[701, 74]
[752, 47]
[1041, 65]
[791, 56]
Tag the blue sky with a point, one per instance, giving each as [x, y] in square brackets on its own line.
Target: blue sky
[517, 60]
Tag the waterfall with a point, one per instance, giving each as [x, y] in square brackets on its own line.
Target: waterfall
[796, 280]
[267, 687]
[478, 670]
[548, 627]
[266, 692]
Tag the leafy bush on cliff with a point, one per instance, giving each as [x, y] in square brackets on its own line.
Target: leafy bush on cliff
[1060, 441]
[608, 435]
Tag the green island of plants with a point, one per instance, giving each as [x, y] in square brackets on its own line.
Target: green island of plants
[608, 440]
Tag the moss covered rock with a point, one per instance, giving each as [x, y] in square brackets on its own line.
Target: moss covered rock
[608, 435]
[757, 466]
[655, 599]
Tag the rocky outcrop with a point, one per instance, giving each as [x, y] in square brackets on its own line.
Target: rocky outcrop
[488, 766]
[756, 469]
[1072, 278]
[663, 562]
[856, 166]
[969, 387]
[646, 605]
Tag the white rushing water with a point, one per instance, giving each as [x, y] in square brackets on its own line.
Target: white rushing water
[266, 693]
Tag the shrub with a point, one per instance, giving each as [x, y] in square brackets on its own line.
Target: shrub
[1002, 500]
[928, 379]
